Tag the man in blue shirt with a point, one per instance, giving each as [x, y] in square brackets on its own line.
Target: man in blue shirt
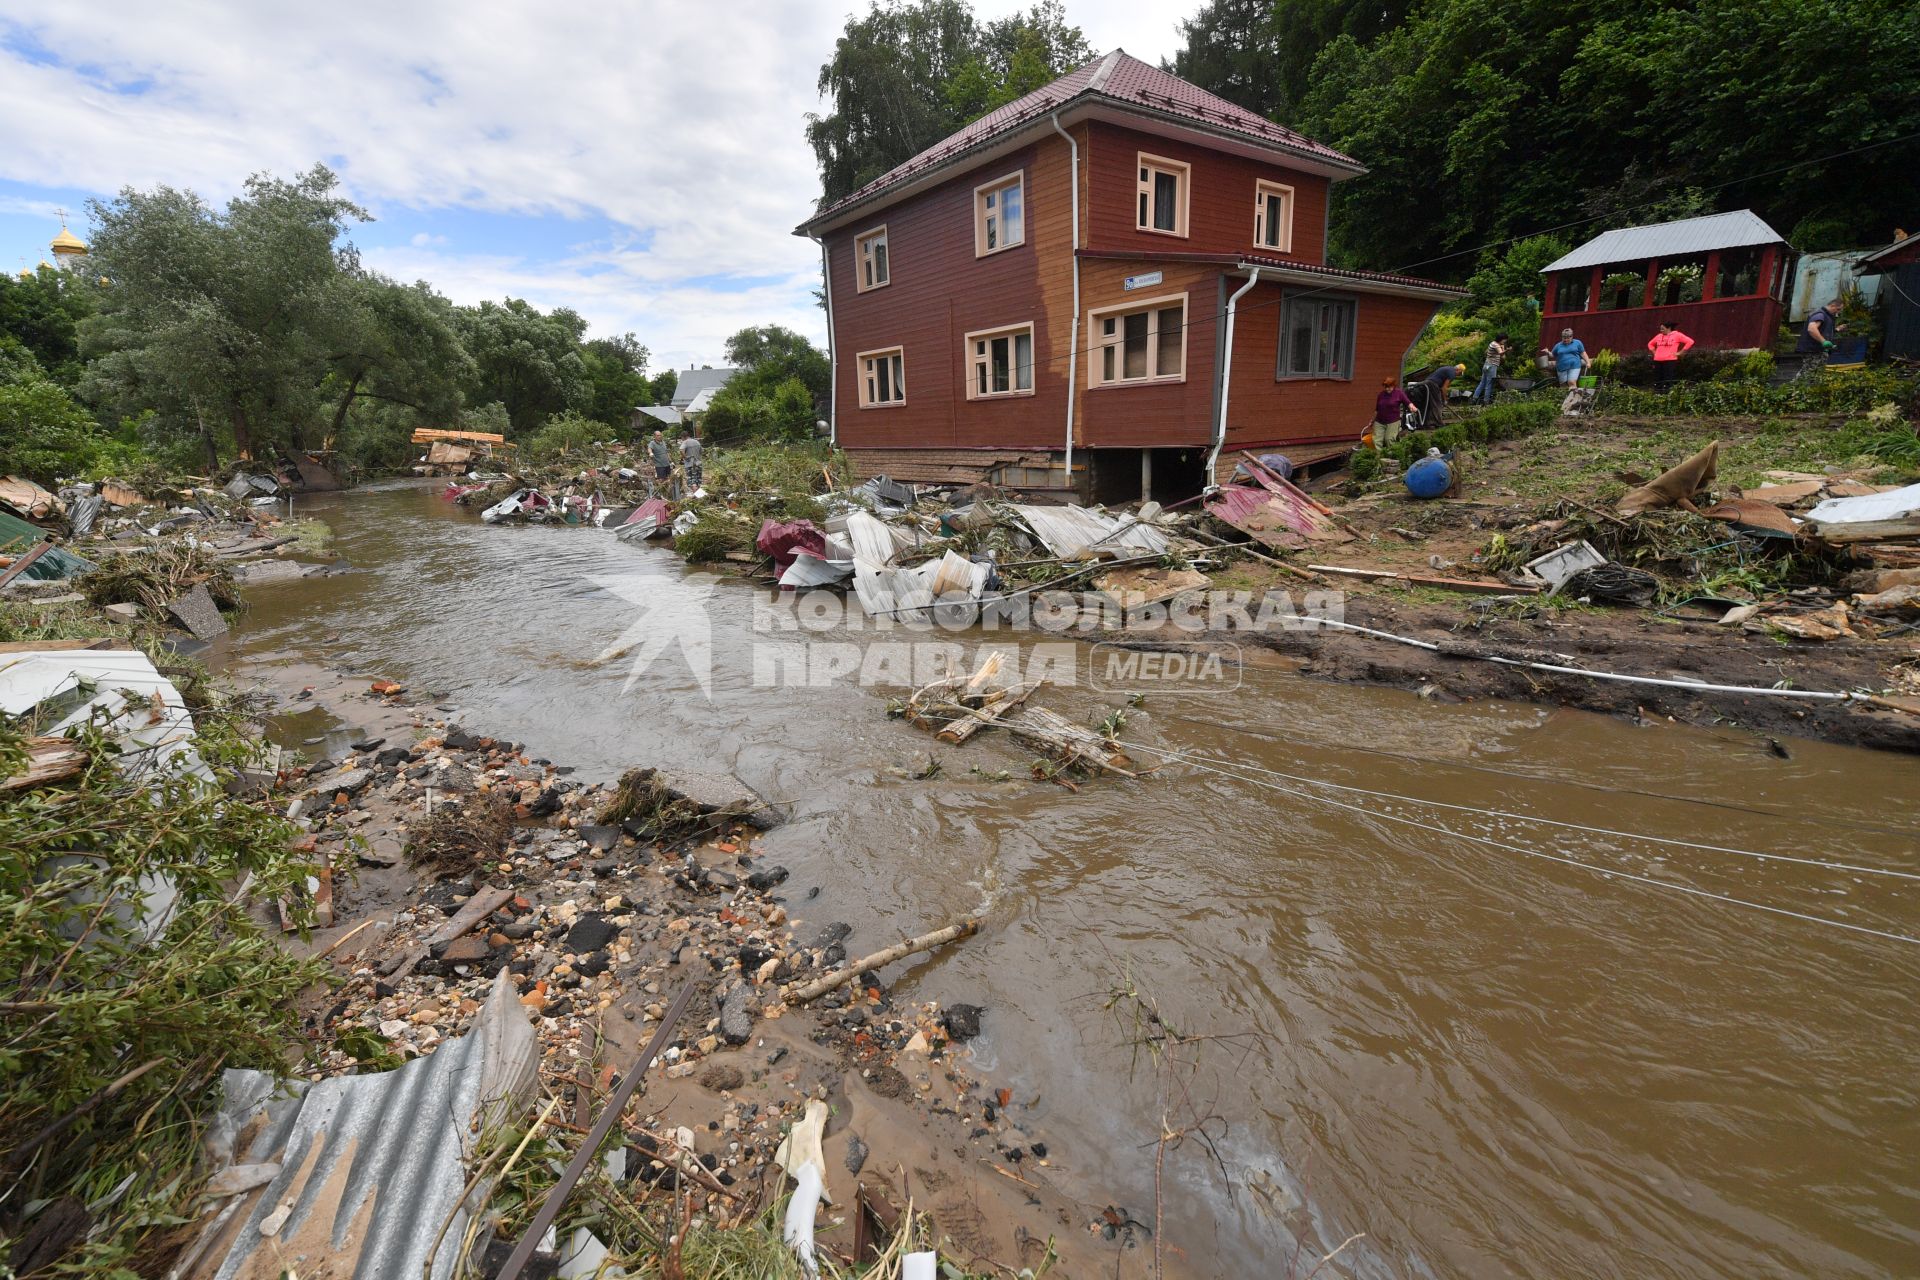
[1570, 358]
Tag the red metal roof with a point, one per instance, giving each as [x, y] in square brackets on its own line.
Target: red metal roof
[1119, 79]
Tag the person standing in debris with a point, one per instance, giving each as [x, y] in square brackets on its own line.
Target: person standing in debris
[1570, 358]
[1817, 338]
[1389, 412]
[662, 461]
[692, 455]
[1668, 346]
[1490, 369]
[1435, 386]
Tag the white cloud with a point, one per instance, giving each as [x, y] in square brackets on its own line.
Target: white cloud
[681, 124]
[46, 209]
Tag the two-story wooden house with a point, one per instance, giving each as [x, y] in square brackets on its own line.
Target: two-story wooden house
[1100, 287]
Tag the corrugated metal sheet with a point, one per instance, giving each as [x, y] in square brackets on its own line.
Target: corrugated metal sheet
[1668, 239]
[370, 1165]
[1069, 530]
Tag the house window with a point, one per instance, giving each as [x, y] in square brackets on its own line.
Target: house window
[1681, 280]
[1000, 362]
[1163, 195]
[1739, 273]
[883, 378]
[999, 215]
[872, 258]
[1316, 337]
[1572, 290]
[1623, 288]
[1143, 342]
[1273, 216]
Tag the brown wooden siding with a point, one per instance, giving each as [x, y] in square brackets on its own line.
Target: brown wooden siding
[938, 292]
[1265, 409]
[1159, 413]
[1220, 202]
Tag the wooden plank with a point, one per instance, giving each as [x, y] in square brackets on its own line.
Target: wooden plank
[1868, 531]
[485, 901]
[49, 646]
[48, 760]
[1476, 585]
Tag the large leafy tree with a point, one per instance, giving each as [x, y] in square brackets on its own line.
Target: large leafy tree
[41, 311]
[617, 381]
[769, 354]
[1486, 120]
[213, 318]
[393, 344]
[909, 72]
[527, 360]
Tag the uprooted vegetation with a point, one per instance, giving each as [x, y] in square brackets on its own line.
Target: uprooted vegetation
[159, 575]
[649, 809]
[455, 839]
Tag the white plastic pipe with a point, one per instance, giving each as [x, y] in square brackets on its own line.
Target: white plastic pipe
[1073, 350]
[918, 1266]
[797, 1230]
[1226, 378]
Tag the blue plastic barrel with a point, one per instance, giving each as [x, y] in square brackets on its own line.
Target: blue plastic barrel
[1429, 478]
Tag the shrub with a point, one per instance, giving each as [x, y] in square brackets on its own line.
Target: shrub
[717, 532]
[44, 433]
[564, 434]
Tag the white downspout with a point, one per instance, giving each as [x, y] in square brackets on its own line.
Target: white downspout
[1073, 352]
[1226, 379]
[833, 365]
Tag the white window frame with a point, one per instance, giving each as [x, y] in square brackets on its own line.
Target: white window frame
[864, 258]
[1263, 189]
[1005, 182]
[977, 359]
[865, 369]
[1144, 193]
[1102, 343]
[1316, 300]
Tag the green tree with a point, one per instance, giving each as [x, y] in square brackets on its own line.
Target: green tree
[769, 354]
[44, 434]
[41, 311]
[617, 379]
[910, 72]
[528, 361]
[213, 318]
[663, 386]
[1259, 54]
[394, 344]
[564, 434]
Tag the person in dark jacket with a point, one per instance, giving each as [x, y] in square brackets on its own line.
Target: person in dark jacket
[1822, 325]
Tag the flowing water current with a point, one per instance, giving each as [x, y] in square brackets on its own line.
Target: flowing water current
[1489, 1062]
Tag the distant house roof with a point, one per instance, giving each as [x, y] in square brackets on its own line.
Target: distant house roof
[1734, 230]
[661, 413]
[700, 402]
[693, 381]
[1118, 81]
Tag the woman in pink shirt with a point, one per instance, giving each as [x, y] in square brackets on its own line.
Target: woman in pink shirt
[1667, 346]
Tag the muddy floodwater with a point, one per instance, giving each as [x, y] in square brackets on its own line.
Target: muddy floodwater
[1489, 1062]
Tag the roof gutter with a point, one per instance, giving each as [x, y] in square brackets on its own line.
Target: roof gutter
[1073, 352]
[1226, 378]
[833, 365]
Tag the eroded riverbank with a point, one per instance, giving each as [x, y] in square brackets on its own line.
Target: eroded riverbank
[1489, 1063]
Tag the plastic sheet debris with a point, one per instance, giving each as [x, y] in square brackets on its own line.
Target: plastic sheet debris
[1895, 504]
[783, 540]
[813, 571]
[521, 502]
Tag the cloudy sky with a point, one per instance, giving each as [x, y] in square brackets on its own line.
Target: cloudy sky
[642, 163]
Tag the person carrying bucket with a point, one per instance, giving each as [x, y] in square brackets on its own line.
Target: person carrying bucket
[1570, 358]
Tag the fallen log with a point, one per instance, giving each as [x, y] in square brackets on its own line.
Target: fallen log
[1068, 742]
[880, 959]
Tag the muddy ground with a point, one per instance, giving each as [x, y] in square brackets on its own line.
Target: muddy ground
[599, 938]
[1577, 470]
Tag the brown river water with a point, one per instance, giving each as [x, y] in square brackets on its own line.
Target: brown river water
[1489, 1063]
